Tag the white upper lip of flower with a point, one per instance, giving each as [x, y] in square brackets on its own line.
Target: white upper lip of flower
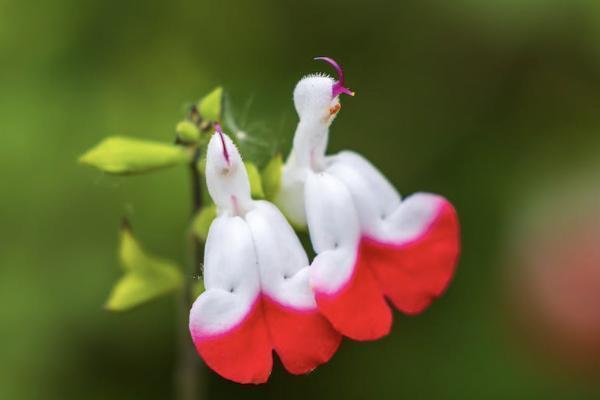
[312, 96]
[226, 176]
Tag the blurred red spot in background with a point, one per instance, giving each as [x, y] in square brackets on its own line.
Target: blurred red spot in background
[557, 290]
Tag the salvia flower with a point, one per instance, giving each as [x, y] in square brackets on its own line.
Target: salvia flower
[257, 297]
[371, 244]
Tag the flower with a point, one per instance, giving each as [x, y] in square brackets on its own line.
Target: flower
[371, 244]
[257, 296]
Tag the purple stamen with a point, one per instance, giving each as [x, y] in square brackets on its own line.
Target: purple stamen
[338, 87]
[220, 132]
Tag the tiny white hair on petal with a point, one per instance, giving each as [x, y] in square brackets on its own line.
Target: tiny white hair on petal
[317, 75]
[312, 95]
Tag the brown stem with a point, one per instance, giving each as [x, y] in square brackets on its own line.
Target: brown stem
[189, 384]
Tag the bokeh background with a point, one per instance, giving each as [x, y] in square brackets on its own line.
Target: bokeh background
[494, 104]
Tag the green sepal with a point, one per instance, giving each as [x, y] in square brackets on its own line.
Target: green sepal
[271, 177]
[256, 188]
[122, 155]
[211, 105]
[146, 276]
[202, 221]
[297, 227]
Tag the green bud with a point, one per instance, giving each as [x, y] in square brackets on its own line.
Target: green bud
[122, 155]
[271, 177]
[187, 131]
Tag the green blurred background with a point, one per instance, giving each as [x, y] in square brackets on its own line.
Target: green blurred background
[491, 103]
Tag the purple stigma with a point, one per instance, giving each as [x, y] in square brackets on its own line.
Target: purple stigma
[220, 132]
[338, 87]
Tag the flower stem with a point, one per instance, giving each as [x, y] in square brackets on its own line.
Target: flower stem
[198, 248]
[189, 384]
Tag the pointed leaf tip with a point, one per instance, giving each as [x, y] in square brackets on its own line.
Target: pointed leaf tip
[146, 277]
[210, 106]
[125, 224]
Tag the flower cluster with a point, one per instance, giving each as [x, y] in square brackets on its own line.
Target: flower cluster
[262, 292]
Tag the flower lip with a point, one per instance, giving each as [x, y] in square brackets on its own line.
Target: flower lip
[338, 87]
[219, 130]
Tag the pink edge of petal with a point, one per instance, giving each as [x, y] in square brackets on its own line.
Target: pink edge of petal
[198, 334]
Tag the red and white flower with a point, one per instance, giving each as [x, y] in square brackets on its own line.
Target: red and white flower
[257, 297]
[371, 244]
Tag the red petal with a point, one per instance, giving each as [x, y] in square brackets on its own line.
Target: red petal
[241, 354]
[358, 310]
[303, 340]
[413, 274]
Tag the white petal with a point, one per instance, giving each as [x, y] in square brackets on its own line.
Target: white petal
[374, 197]
[230, 277]
[382, 214]
[334, 230]
[411, 219]
[282, 260]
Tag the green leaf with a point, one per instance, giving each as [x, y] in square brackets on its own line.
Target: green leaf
[271, 177]
[122, 155]
[187, 131]
[146, 277]
[256, 188]
[210, 106]
[203, 220]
